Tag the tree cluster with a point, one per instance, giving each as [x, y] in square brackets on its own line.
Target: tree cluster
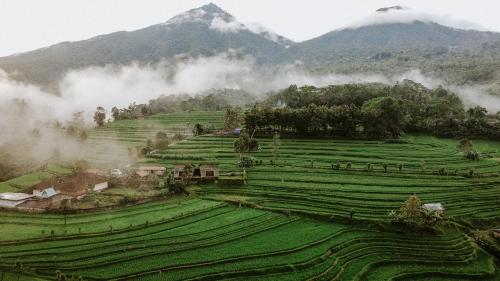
[371, 110]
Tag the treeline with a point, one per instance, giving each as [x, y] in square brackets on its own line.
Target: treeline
[371, 110]
[212, 100]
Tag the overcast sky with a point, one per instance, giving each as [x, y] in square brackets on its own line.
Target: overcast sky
[31, 24]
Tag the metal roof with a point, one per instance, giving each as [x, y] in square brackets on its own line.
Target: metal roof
[434, 206]
[13, 196]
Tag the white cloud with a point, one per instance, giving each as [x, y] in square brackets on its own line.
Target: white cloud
[407, 15]
[230, 26]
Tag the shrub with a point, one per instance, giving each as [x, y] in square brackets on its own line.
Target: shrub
[230, 181]
[473, 155]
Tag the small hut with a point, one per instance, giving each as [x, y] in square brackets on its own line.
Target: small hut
[13, 199]
[202, 172]
[436, 207]
[209, 171]
[45, 193]
[144, 171]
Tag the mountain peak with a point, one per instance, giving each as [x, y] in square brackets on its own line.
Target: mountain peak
[392, 8]
[212, 8]
[205, 14]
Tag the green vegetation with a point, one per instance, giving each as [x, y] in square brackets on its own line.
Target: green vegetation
[25, 181]
[311, 209]
[371, 111]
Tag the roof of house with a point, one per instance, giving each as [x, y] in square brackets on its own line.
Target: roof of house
[101, 186]
[14, 196]
[94, 171]
[10, 204]
[434, 206]
[49, 192]
[151, 168]
[142, 173]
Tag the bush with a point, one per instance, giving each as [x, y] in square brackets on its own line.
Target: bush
[230, 181]
[473, 155]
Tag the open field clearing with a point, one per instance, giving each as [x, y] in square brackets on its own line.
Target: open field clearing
[274, 235]
[204, 240]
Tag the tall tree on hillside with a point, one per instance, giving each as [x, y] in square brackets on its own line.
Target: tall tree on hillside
[115, 112]
[232, 118]
[100, 116]
[411, 209]
[276, 144]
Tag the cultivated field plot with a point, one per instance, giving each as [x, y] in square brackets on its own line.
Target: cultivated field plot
[111, 143]
[197, 239]
[273, 235]
[304, 180]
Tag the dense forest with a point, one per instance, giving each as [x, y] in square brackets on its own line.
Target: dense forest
[371, 110]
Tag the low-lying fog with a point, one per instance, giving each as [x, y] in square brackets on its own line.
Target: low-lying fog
[25, 107]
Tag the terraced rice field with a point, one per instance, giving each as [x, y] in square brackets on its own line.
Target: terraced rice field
[197, 239]
[111, 143]
[293, 223]
[304, 181]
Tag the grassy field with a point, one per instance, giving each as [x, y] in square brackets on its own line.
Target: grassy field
[294, 221]
[20, 183]
[304, 181]
[194, 239]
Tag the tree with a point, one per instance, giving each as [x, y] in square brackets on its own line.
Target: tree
[83, 135]
[232, 118]
[187, 174]
[384, 116]
[465, 145]
[411, 210]
[161, 140]
[276, 144]
[100, 116]
[244, 143]
[66, 205]
[115, 112]
[198, 129]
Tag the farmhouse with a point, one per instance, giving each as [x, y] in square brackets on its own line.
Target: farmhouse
[100, 186]
[74, 186]
[204, 171]
[437, 207]
[145, 171]
[45, 193]
[116, 173]
[12, 199]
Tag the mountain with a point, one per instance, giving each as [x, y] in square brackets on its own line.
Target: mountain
[206, 31]
[396, 39]
[392, 41]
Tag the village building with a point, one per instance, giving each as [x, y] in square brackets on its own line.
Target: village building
[45, 193]
[436, 207]
[100, 186]
[144, 171]
[13, 199]
[72, 186]
[116, 173]
[204, 171]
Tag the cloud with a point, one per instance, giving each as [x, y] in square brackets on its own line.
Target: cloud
[25, 107]
[406, 15]
[230, 26]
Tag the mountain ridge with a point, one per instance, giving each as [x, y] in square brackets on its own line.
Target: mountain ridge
[209, 30]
